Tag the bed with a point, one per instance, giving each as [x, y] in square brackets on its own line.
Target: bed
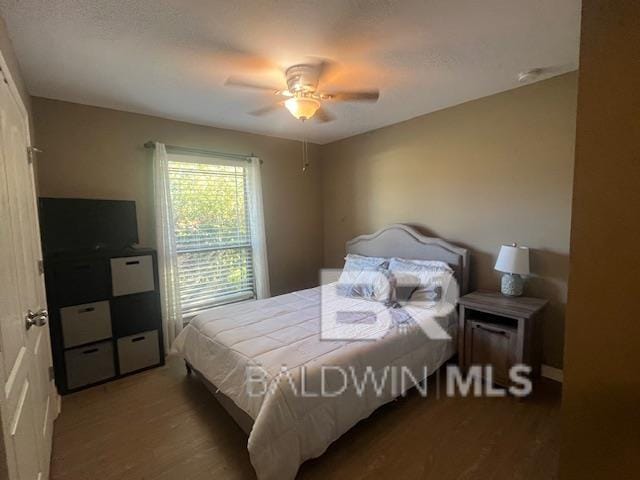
[305, 391]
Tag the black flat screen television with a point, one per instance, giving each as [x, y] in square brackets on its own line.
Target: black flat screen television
[77, 225]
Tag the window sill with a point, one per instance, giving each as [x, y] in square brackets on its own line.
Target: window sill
[187, 318]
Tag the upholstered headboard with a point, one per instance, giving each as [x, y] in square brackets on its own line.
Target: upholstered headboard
[404, 241]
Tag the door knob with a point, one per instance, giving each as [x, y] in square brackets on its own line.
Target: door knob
[36, 319]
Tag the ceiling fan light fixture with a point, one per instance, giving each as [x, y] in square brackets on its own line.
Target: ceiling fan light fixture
[301, 97]
[303, 108]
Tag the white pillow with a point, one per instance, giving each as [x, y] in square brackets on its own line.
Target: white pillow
[420, 280]
[425, 263]
[367, 278]
[354, 264]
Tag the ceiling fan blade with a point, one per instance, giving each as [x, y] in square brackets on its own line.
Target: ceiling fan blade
[363, 96]
[238, 82]
[239, 60]
[324, 68]
[266, 110]
[323, 116]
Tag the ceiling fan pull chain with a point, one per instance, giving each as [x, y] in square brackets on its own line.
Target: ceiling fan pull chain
[305, 156]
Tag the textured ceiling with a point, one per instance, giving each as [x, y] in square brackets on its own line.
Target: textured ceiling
[170, 58]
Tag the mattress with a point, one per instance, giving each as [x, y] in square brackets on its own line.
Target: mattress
[303, 387]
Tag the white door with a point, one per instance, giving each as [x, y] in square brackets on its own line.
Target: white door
[28, 399]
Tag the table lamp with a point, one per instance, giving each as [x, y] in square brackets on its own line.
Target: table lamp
[513, 261]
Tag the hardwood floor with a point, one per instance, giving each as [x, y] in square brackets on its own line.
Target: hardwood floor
[164, 425]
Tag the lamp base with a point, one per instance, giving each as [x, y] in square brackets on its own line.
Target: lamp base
[512, 284]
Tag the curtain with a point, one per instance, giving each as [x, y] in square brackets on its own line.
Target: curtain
[166, 246]
[258, 238]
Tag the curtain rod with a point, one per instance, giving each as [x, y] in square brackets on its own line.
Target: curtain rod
[152, 144]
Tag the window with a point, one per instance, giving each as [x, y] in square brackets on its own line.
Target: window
[210, 201]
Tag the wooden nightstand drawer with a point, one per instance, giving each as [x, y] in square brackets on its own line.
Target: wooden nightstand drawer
[499, 331]
[492, 345]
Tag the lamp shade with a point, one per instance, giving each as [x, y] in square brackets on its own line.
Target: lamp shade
[513, 259]
[303, 108]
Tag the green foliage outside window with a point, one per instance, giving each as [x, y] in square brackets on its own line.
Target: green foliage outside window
[212, 231]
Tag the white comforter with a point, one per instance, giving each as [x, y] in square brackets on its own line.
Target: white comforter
[282, 332]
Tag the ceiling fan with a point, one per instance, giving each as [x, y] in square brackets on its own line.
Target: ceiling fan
[301, 97]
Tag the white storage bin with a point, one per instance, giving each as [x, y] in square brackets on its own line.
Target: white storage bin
[138, 351]
[85, 323]
[90, 364]
[132, 275]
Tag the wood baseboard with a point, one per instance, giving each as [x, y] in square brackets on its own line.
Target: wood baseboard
[553, 373]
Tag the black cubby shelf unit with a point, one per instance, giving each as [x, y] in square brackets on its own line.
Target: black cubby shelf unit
[105, 318]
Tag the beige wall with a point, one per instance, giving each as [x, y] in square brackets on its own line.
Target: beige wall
[601, 397]
[494, 170]
[92, 152]
[490, 171]
[12, 62]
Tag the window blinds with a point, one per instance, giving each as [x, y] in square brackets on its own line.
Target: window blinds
[212, 229]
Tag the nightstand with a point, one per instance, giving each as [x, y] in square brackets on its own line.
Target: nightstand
[499, 331]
